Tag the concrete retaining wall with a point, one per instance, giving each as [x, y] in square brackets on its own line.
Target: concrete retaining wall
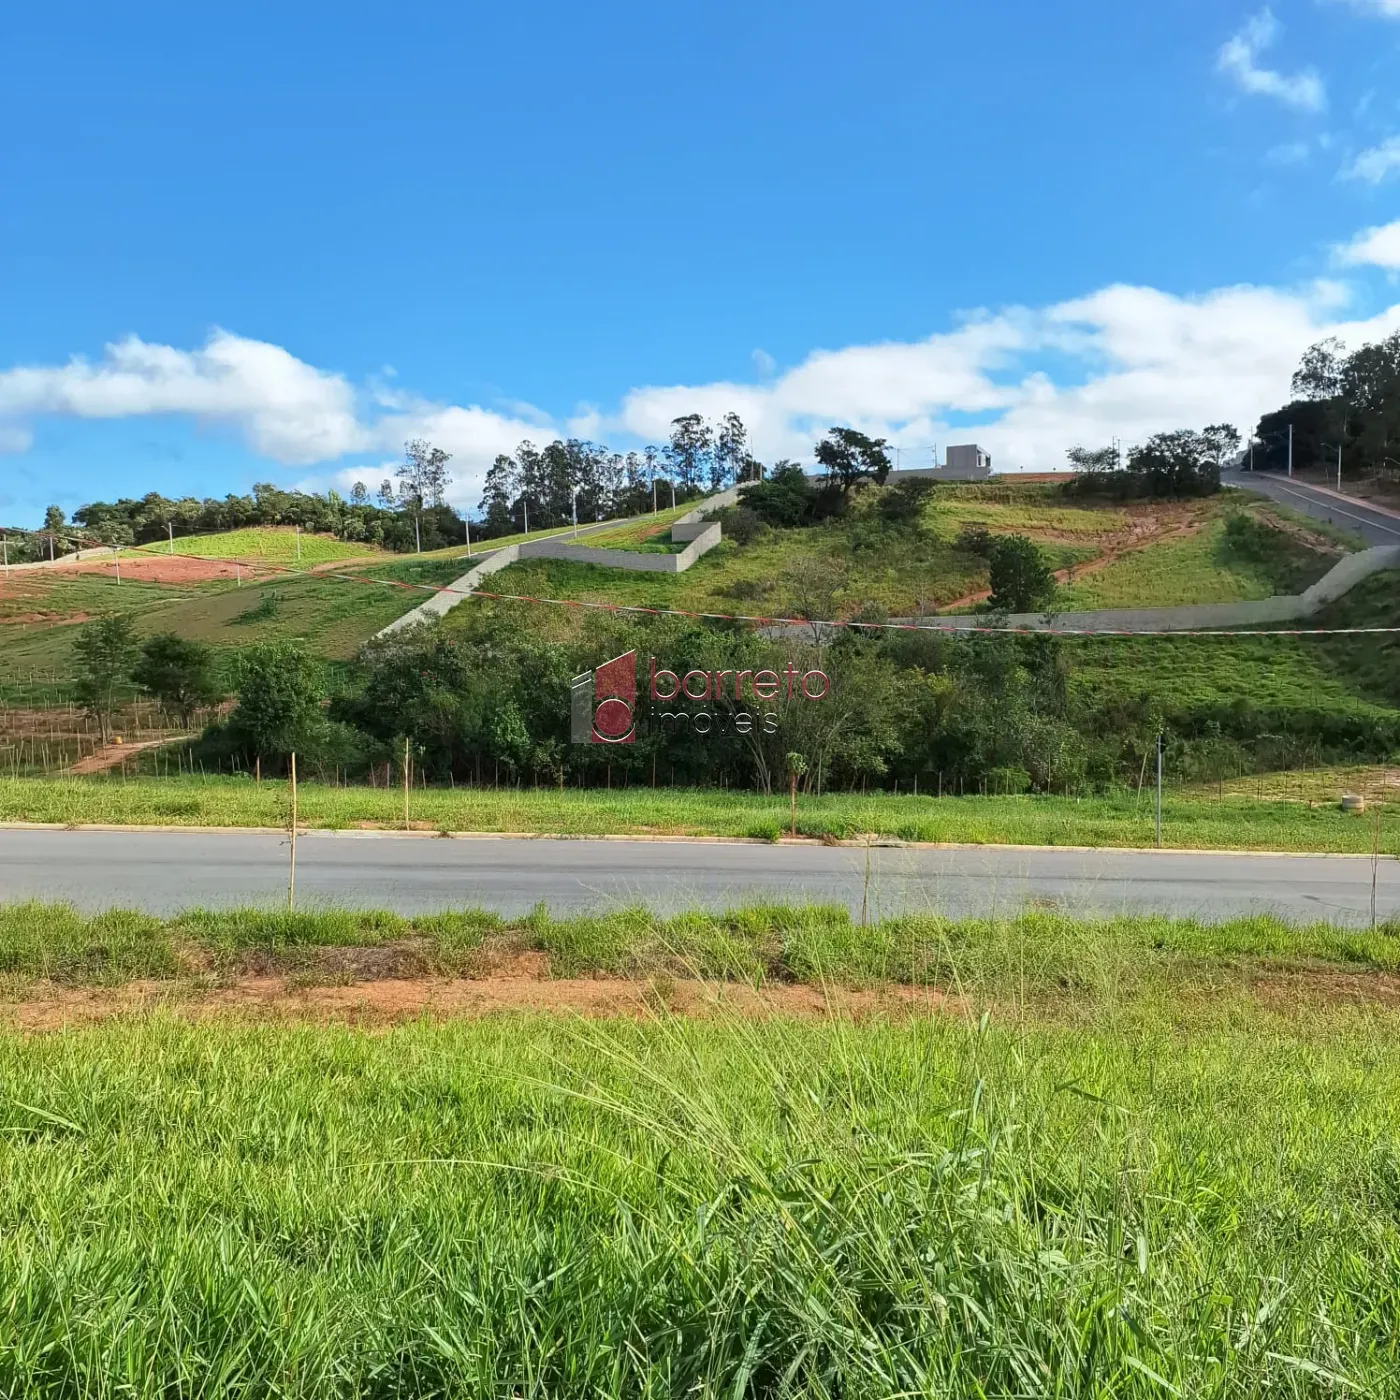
[699, 536]
[1188, 617]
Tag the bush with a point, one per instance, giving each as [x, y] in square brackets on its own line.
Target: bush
[1021, 577]
[903, 503]
[975, 539]
[790, 498]
[742, 524]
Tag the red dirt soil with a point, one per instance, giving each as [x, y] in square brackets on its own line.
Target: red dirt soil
[387, 1002]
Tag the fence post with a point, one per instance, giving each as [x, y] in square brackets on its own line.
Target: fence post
[292, 868]
[1159, 792]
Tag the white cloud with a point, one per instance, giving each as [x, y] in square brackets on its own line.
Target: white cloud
[15, 439]
[1389, 8]
[1123, 362]
[286, 409]
[1239, 57]
[1026, 382]
[1375, 164]
[1375, 247]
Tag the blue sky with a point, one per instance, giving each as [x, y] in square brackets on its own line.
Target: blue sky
[269, 242]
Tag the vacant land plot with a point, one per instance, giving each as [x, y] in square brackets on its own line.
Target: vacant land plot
[1125, 1159]
[652, 533]
[268, 544]
[862, 564]
[1204, 561]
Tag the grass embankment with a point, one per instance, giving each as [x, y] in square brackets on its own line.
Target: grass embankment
[330, 616]
[1229, 559]
[648, 534]
[1030, 955]
[861, 560]
[1200, 822]
[262, 544]
[1112, 1183]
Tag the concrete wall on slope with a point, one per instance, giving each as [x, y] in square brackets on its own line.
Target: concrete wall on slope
[1187, 617]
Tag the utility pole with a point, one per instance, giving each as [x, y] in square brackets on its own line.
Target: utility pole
[653, 493]
[525, 506]
[298, 544]
[50, 546]
[5, 545]
[576, 515]
[119, 566]
[170, 531]
[1159, 790]
[468, 525]
[417, 535]
[1290, 449]
[672, 485]
[1339, 463]
[407, 762]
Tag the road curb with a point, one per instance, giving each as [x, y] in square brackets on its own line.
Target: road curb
[879, 843]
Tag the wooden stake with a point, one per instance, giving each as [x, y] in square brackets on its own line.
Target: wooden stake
[292, 871]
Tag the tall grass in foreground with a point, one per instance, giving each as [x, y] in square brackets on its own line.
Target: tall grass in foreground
[1197, 1204]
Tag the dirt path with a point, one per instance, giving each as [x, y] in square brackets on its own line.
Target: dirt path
[111, 755]
[1141, 534]
[47, 1007]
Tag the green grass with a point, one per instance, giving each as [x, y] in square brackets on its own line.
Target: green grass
[649, 534]
[1189, 821]
[1029, 953]
[1299, 683]
[331, 616]
[264, 544]
[908, 570]
[1163, 1188]
[1207, 566]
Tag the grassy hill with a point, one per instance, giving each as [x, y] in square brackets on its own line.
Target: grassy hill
[262, 544]
[1294, 690]
[1133, 556]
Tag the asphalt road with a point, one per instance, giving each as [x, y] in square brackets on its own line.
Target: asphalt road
[166, 871]
[1374, 526]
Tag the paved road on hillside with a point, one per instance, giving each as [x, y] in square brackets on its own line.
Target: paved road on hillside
[166, 871]
[1374, 526]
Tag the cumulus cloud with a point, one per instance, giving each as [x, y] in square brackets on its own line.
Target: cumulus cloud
[1375, 164]
[1127, 362]
[1025, 382]
[1239, 60]
[1375, 247]
[286, 409]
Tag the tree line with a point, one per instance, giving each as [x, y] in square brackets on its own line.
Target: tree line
[1340, 402]
[574, 479]
[409, 511]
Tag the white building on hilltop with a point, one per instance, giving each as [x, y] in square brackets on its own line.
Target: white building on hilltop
[966, 463]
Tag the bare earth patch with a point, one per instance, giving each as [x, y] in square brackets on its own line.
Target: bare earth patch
[520, 985]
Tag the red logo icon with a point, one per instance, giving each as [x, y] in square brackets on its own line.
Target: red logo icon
[603, 703]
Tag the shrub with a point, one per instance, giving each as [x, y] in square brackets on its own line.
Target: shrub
[904, 502]
[742, 524]
[1021, 577]
[975, 539]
